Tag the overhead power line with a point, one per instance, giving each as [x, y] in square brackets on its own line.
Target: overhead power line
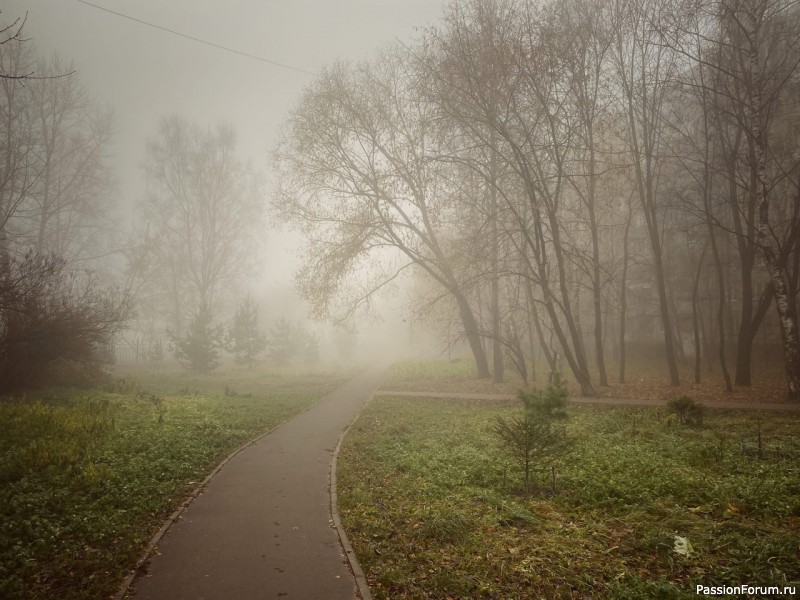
[196, 39]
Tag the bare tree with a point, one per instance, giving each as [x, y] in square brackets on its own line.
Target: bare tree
[581, 23]
[754, 17]
[55, 184]
[502, 81]
[66, 206]
[202, 219]
[623, 286]
[357, 175]
[17, 140]
[750, 53]
[643, 68]
[11, 34]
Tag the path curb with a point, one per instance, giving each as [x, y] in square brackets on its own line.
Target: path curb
[125, 586]
[352, 561]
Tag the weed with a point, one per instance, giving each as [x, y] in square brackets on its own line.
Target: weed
[443, 525]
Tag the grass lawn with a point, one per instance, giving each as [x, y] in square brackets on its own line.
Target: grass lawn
[88, 476]
[434, 509]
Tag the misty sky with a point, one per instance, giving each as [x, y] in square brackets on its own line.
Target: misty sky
[145, 74]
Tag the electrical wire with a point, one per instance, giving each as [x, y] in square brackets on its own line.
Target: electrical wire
[198, 40]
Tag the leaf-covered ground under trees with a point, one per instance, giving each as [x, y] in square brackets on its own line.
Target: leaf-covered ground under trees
[645, 380]
[434, 509]
[87, 477]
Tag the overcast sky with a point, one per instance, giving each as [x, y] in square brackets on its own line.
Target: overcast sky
[145, 74]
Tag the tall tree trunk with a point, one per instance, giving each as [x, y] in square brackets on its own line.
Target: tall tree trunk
[746, 249]
[596, 281]
[712, 238]
[676, 324]
[783, 303]
[534, 313]
[647, 200]
[531, 337]
[639, 105]
[705, 336]
[623, 295]
[577, 361]
[498, 370]
[472, 332]
[663, 302]
[698, 353]
[744, 340]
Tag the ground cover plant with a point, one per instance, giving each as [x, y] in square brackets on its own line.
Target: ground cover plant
[434, 509]
[88, 476]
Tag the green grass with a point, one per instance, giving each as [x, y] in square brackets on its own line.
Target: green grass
[87, 477]
[434, 509]
[241, 380]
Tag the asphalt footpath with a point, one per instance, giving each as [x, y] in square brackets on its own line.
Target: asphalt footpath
[262, 528]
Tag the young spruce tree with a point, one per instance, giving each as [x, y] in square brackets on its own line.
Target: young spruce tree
[198, 349]
[244, 340]
[284, 341]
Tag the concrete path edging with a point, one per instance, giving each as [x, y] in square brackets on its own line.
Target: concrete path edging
[125, 586]
[265, 524]
[349, 553]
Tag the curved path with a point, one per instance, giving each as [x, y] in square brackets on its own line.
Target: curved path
[262, 528]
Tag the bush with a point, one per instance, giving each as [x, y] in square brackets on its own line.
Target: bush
[688, 411]
[52, 318]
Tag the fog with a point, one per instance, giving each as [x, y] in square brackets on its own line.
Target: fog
[516, 276]
[145, 74]
[509, 183]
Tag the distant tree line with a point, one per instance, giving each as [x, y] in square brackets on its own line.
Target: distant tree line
[198, 226]
[199, 349]
[549, 171]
